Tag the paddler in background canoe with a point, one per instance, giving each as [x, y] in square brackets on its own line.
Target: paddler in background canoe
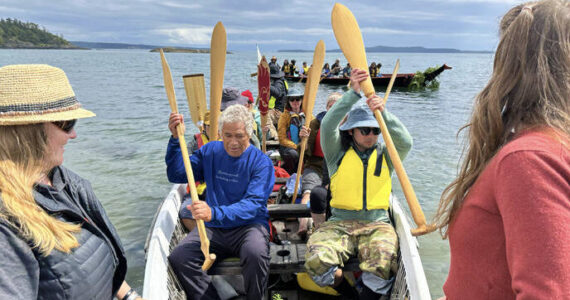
[360, 170]
[239, 180]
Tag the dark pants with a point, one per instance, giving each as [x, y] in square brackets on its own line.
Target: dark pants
[250, 243]
[290, 159]
[320, 199]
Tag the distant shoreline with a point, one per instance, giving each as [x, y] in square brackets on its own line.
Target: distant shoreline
[388, 49]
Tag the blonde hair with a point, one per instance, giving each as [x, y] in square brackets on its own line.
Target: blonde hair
[529, 88]
[22, 149]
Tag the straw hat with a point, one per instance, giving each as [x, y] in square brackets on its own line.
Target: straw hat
[37, 94]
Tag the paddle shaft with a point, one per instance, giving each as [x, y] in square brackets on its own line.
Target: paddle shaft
[204, 241]
[311, 88]
[263, 135]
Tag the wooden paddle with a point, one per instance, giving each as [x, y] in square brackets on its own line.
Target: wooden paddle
[349, 38]
[204, 242]
[217, 64]
[311, 88]
[263, 85]
[196, 96]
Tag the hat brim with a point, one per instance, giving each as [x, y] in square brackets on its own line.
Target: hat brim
[78, 113]
[360, 123]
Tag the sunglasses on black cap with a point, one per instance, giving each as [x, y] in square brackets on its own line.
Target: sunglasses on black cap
[66, 126]
[367, 130]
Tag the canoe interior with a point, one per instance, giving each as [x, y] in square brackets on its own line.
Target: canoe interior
[167, 230]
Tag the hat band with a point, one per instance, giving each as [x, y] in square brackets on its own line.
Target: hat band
[65, 104]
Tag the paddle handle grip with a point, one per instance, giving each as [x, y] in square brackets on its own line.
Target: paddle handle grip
[204, 241]
[415, 209]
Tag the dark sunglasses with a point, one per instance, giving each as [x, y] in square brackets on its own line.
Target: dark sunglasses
[66, 126]
[367, 130]
[295, 99]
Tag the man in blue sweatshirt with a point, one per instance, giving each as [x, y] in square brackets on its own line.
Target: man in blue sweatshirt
[239, 179]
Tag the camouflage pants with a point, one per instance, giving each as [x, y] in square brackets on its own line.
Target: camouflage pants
[332, 244]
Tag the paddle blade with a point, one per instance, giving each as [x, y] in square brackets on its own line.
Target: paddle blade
[349, 39]
[314, 79]
[168, 83]
[196, 96]
[263, 85]
[217, 65]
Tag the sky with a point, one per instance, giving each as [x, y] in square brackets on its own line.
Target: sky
[274, 25]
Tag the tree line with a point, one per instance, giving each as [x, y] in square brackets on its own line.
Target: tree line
[17, 34]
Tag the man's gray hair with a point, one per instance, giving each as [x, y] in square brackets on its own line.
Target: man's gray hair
[237, 113]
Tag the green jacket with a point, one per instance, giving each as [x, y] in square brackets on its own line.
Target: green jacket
[332, 149]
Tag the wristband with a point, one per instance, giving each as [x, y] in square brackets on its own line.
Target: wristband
[128, 294]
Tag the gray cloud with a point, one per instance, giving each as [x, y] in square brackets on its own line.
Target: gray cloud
[462, 24]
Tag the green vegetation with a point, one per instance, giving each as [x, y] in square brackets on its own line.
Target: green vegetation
[419, 80]
[17, 34]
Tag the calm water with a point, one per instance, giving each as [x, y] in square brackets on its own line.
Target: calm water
[121, 151]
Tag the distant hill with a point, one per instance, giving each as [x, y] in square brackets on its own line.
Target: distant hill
[152, 48]
[17, 34]
[401, 50]
[97, 45]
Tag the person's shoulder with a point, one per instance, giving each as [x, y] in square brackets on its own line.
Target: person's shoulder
[258, 157]
[543, 141]
[69, 176]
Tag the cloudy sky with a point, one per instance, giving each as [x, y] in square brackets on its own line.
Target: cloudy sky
[293, 24]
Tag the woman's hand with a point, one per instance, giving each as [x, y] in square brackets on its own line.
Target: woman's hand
[305, 132]
[200, 210]
[173, 121]
[374, 103]
[266, 128]
[356, 77]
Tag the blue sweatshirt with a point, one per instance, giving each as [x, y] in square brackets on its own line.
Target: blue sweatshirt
[237, 187]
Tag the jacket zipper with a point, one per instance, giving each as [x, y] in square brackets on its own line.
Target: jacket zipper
[365, 164]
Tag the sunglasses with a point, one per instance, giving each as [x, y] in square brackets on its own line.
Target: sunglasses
[295, 99]
[66, 126]
[367, 130]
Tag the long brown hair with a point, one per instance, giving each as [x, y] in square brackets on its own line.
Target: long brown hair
[22, 152]
[529, 88]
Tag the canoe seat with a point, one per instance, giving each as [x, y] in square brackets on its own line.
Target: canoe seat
[284, 259]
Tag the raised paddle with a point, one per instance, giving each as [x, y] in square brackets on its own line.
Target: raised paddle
[349, 38]
[311, 88]
[204, 242]
[196, 96]
[217, 64]
[263, 86]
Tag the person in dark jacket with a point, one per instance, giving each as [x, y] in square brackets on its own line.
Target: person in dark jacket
[239, 179]
[56, 241]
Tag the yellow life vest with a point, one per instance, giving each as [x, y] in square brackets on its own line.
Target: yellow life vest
[348, 183]
[272, 100]
[286, 69]
[306, 71]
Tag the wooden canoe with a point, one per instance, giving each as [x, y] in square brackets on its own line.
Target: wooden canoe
[166, 231]
[402, 79]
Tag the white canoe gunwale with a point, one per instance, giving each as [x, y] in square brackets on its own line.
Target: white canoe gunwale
[410, 281]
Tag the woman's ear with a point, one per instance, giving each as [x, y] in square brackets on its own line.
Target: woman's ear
[350, 131]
